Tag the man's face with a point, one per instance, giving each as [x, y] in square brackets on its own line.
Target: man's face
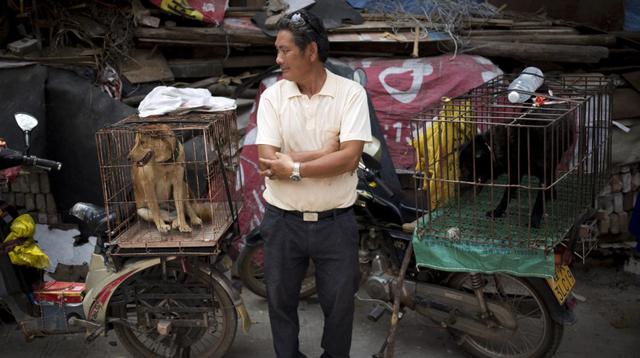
[293, 61]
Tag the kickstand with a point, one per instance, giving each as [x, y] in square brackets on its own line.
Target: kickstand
[380, 353]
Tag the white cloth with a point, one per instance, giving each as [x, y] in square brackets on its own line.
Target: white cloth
[164, 99]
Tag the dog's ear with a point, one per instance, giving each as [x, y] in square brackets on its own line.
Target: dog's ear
[136, 143]
[170, 138]
[481, 149]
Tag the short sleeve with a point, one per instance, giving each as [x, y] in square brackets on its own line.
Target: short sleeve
[268, 124]
[356, 124]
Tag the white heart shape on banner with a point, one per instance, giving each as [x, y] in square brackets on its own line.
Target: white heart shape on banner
[418, 71]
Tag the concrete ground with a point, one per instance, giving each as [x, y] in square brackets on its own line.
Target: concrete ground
[608, 326]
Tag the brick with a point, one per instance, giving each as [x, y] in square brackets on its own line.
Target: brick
[45, 188]
[635, 182]
[624, 222]
[34, 183]
[603, 225]
[19, 199]
[41, 202]
[51, 204]
[20, 185]
[42, 218]
[52, 219]
[626, 182]
[605, 203]
[618, 202]
[23, 46]
[628, 200]
[11, 198]
[614, 220]
[616, 184]
[29, 201]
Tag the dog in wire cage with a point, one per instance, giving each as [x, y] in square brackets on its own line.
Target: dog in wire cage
[530, 145]
[161, 192]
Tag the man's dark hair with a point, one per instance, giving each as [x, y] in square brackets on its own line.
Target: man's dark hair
[306, 28]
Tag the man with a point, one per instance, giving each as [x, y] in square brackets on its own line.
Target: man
[312, 126]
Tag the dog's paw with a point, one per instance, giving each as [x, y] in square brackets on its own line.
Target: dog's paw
[163, 228]
[182, 227]
[196, 221]
[495, 214]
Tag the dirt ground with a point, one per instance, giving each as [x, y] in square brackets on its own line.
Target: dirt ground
[608, 326]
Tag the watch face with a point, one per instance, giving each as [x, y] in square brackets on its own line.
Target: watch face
[295, 177]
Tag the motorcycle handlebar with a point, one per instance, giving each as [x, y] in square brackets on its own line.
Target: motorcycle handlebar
[10, 158]
[42, 163]
[369, 175]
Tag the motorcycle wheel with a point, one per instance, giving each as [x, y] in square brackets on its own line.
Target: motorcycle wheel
[251, 272]
[536, 335]
[143, 340]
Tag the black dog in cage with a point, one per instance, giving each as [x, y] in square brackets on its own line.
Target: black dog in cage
[524, 147]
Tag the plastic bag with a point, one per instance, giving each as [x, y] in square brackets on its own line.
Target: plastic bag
[443, 140]
[27, 254]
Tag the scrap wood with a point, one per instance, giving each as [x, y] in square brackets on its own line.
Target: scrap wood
[538, 52]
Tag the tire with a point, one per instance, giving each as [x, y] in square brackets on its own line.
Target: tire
[143, 341]
[550, 332]
[251, 272]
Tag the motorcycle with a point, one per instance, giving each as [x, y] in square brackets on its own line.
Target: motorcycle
[489, 314]
[158, 306]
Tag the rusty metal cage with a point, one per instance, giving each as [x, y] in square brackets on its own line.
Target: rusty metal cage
[204, 156]
[505, 176]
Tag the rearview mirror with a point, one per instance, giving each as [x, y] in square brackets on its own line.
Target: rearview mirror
[26, 122]
[360, 76]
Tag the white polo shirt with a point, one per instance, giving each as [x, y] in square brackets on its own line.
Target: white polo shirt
[293, 122]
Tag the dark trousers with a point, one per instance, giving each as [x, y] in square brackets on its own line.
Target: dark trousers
[332, 244]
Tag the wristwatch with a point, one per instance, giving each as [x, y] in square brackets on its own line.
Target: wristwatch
[295, 174]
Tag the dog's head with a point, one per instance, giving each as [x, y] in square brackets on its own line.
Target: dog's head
[475, 163]
[153, 143]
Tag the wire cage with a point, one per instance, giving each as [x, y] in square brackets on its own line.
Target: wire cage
[512, 179]
[180, 169]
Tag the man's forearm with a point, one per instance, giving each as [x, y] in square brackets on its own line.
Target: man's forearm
[343, 161]
[307, 156]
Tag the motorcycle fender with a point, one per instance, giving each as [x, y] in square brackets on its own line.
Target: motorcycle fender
[235, 297]
[559, 313]
[101, 283]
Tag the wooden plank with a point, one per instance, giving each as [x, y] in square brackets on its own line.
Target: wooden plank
[145, 235]
[146, 66]
[205, 34]
[250, 61]
[556, 39]
[539, 52]
[192, 43]
[540, 31]
[194, 68]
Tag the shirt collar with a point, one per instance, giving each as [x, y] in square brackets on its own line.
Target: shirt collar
[329, 88]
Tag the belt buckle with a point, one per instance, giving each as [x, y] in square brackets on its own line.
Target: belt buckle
[309, 216]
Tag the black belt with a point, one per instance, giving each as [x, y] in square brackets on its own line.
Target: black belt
[310, 215]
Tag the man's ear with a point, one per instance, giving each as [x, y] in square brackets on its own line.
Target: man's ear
[312, 49]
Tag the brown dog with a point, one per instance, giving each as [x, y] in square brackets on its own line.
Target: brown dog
[158, 175]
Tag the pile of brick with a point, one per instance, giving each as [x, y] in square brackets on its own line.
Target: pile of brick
[616, 202]
[31, 191]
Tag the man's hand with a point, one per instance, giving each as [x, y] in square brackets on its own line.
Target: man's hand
[279, 168]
